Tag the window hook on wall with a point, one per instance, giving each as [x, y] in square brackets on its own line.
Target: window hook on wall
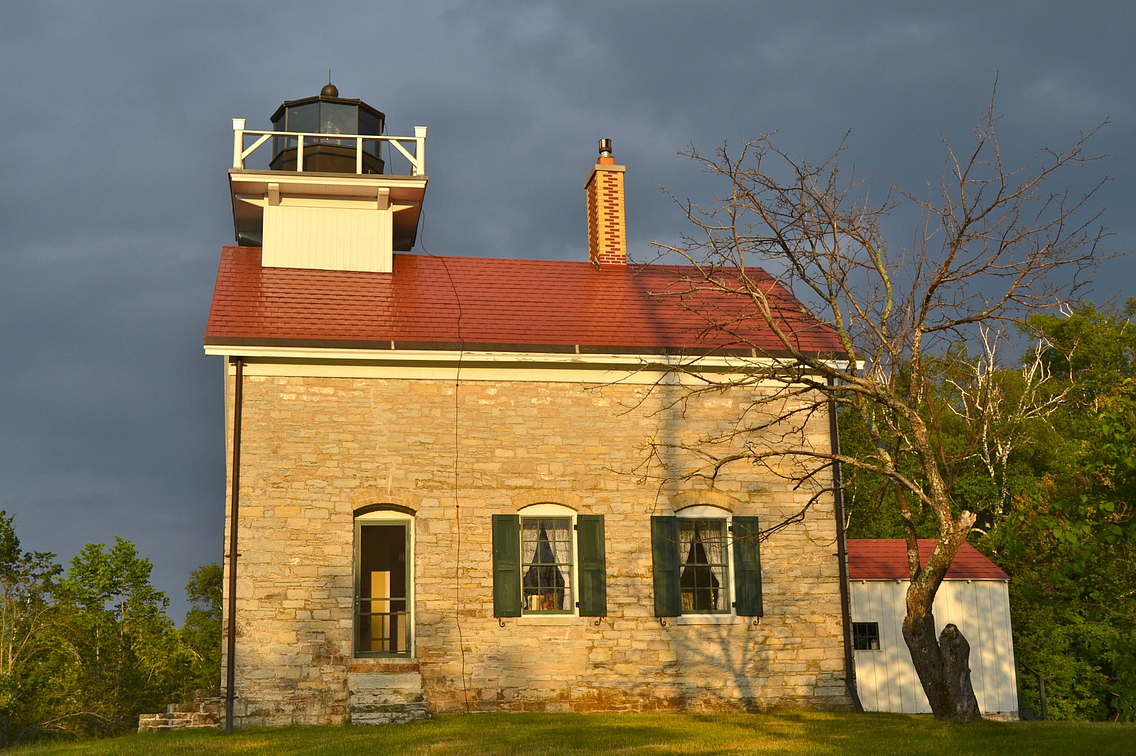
[501, 621]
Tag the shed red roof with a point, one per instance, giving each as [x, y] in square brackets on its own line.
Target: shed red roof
[439, 302]
[886, 559]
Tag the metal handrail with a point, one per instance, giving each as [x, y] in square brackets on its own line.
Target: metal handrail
[1041, 688]
[403, 627]
[418, 141]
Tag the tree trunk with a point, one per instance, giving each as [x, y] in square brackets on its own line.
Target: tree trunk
[956, 670]
[942, 663]
[919, 633]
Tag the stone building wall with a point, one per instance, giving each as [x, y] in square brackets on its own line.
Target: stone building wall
[316, 449]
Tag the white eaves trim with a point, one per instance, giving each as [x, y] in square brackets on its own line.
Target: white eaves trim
[421, 364]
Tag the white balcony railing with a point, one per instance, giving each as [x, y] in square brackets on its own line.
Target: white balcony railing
[417, 143]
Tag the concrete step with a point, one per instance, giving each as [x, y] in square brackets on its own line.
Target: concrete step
[386, 697]
[389, 714]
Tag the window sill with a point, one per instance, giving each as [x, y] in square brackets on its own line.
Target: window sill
[552, 619]
[709, 619]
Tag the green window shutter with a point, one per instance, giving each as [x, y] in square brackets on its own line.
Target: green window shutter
[665, 561]
[593, 565]
[506, 566]
[747, 567]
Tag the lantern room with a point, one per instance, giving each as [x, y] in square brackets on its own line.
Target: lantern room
[328, 200]
[327, 113]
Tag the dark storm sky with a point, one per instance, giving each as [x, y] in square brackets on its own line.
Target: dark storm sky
[115, 138]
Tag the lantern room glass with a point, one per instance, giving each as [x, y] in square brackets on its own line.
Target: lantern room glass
[369, 123]
[321, 115]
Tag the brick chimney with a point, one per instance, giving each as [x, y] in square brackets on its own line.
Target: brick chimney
[607, 229]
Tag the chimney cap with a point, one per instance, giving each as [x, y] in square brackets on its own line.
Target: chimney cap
[605, 148]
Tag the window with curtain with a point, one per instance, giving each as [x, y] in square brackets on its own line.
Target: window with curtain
[704, 573]
[549, 560]
[706, 563]
[546, 569]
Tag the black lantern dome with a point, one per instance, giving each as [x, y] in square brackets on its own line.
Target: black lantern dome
[327, 113]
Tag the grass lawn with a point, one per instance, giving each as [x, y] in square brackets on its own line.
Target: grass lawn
[654, 734]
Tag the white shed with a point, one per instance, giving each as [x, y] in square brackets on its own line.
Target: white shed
[974, 597]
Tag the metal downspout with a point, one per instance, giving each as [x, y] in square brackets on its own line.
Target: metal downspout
[231, 648]
[842, 557]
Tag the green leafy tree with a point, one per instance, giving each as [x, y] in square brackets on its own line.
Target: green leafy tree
[996, 438]
[127, 659]
[1095, 347]
[201, 633]
[84, 653]
[1070, 543]
[30, 645]
[1086, 529]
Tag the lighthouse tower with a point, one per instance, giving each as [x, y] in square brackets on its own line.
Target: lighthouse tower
[328, 202]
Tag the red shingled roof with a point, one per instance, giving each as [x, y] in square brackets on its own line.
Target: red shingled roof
[503, 304]
[886, 559]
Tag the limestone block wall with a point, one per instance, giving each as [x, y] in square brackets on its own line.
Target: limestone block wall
[316, 449]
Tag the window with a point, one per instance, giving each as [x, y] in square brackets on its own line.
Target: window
[546, 569]
[706, 561]
[549, 560]
[866, 636]
[384, 584]
[704, 579]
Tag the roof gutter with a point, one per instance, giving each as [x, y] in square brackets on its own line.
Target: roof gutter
[842, 558]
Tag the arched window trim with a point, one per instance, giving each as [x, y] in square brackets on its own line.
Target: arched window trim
[384, 507]
[385, 514]
[547, 509]
[704, 512]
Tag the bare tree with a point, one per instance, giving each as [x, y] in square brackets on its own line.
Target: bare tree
[994, 244]
[1000, 406]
